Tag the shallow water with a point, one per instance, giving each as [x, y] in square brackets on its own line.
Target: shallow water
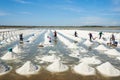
[33, 50]
[45, 75]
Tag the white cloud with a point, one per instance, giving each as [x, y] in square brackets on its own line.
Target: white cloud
[23, 1]
[94, 20]
[72, 9]
[117, 9]
[91, 20]
[68, 8]
[111, 14]
[116, 2]
[3, 13]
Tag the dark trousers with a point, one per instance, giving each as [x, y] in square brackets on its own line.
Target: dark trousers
[100, 36]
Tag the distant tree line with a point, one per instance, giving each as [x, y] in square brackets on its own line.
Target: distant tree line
[69, 27]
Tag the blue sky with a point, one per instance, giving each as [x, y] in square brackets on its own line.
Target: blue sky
[60, 12]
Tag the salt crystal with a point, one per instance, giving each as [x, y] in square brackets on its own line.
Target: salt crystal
[108, 69]
[28, 68]
[84, 69]
[57, 66]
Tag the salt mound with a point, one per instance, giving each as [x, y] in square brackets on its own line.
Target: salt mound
[84, 69]
[118, 58]
[4, 69]
[108, 69]
[41, 45]
[87, 43]
[83, 50]
[12, 38]
[73, 46]
[78, 39]
[75, 53]
[28, 68]
[113, 52]
[101, 41]
[57, 66]
[8, 40]
[10, 56]
[3, 42]
[31, 39]
[17, 49]
[90, 60]
[52, 52]
[50, 58]
[15, 37]
[101, 47]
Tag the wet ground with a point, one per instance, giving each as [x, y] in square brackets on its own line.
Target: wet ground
[45, 75]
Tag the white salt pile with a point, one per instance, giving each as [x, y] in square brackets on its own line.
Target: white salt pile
[83, 50]
[28, 69]
[52, 52]
[78, 39]
[17, 49]
[41, 45]
[2, 42]
[90, 60]
[57, 66]
[101, 47]
[75, 53]
[4, 69]
[10, 56]
[87, 43]
[15, 37]
[108, 69]
[118, 58]
[8, 40]
[112, 52]
[50, 58]
[12, 38]
[84, 69]
[101, 41]
[31, 39]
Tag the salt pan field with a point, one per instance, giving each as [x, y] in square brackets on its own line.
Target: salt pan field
[42, 56]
